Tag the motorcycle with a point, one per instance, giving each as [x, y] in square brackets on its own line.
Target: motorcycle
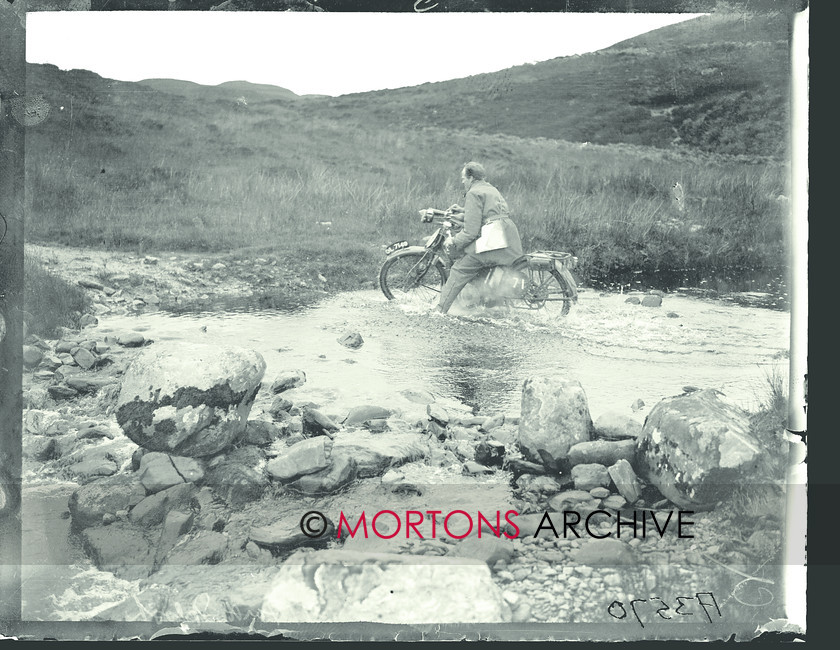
[418, 273]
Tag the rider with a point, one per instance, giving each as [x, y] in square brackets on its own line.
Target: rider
[489, 236]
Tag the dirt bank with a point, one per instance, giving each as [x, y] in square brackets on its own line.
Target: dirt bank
[188, 281]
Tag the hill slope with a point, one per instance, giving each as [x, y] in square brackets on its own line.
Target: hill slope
[717, 83]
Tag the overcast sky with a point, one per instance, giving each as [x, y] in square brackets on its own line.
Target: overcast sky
[320, 53]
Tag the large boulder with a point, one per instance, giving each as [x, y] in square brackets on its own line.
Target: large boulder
[694, 448]
[189, 399]
[555, 416]
[348, 586]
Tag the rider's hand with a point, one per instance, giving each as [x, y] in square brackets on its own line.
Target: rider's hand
[455, 208]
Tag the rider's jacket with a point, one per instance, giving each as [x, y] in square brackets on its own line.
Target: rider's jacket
[485, 204]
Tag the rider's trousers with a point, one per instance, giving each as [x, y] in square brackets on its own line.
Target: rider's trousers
[466, 268]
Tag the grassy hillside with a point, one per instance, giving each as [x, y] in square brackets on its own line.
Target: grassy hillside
[716, 83]
[328, 182]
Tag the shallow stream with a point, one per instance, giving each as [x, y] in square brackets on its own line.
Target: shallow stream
[619, 352]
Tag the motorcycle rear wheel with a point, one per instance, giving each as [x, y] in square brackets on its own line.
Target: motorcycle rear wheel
[549, 290]
[412, 276]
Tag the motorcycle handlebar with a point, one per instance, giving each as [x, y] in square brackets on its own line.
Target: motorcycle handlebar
[428, 215]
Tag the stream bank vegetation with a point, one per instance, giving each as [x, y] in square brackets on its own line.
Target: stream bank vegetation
[322, 194]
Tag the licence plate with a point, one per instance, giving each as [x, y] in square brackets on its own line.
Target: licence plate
[396, 246]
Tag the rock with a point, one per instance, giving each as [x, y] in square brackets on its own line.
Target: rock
[35, 397]
[204, 547]
[94, 432]
[616, 426]
[261, 433]
[437, 414]
[175, 525]
[236, 484]
[590, 475]
[152, 510]
[189, 399]
[88, 283]
[136, 457]
[652, 301]
[487, 548]
[302, 458]
[279, 409]
[39, 448]
[538, 484]
[316, 423]
[89, 385]
[149, 260]
[493, 423]
[578, 500]
[89, 503]
[131, 340]
[120, 548]
[604, 552]
[599, 492]
[490, 452]
[471, 467]
[554, 417]
[632, 300]
[63, 347]
[94, 463]
[88, 320]
[418, 396]
[218, 266]
[31, 356]
[376, 426]
[625, 481]
[109, 291]
[345, 586]
[672, 314]
[190, 469]
[352, 340]
[434, 429]
[376, 453]
[603, 452]
[66, 359]
[637, 405]
[696, 447]
[288, 380]
[341, 472]
[157, 472]
[614, 502]
[85, 358]
[286, 534]
[518, 467]
[361, 414]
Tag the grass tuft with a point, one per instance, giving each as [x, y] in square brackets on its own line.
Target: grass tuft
[52, 301]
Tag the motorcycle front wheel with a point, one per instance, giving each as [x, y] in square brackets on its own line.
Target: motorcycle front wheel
[412, 276]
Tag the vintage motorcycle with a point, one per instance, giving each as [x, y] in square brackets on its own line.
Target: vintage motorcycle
[418, 273]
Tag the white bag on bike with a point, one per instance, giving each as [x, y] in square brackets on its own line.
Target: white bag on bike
[492, 237]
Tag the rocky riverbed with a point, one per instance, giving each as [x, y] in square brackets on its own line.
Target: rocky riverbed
[191, 466]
